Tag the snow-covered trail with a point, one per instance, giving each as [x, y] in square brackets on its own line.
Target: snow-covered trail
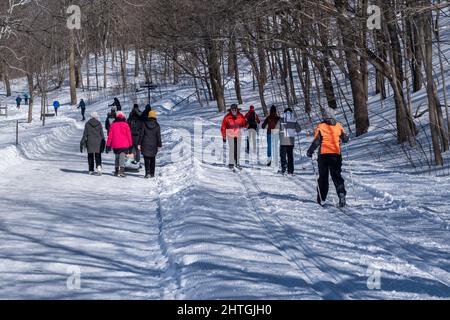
[55, 217]
[200, 231]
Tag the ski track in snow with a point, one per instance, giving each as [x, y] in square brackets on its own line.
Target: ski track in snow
[353, 218]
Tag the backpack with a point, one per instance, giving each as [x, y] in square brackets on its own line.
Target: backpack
[134, 125]
[252, 120]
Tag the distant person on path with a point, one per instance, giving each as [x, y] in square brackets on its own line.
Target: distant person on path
[231, 130]
[94, 141]
[25, 96]
[119, 140]
[18, 101]
[149, 142]
[289, 128]
[328, 137]
[271, 123]
[135, 123]
[144, 115]
[252, 127]
[110, 118]
[116, 104]
[56, 106]
[82, 106]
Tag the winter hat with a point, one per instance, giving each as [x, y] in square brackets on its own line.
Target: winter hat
[234, 106]
[120, 115]
[152, 114]
[252, 108]
[94, 115]
[328, 113]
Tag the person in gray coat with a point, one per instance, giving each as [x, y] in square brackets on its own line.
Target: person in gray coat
[94, 141]
[289, 128]
[149, 143]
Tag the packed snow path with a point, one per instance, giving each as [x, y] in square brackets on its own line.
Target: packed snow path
[199, 231]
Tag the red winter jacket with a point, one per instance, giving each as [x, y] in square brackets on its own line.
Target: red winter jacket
[119, 136]
[232, 125]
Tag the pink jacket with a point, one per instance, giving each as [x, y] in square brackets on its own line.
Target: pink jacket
[119, 136]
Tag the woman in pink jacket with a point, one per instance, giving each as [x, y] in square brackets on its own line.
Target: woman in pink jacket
[119, 139]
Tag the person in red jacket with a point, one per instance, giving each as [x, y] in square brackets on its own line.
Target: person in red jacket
[252, 126]
[119, 139]
[232, 126]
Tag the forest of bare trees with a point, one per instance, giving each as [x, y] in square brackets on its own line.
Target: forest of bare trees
[322, 53]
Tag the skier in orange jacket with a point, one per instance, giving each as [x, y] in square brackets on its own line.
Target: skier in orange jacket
[328, 136]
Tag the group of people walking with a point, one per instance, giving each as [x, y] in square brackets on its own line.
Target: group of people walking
[141, 134]
[281, 133]
[126, 138]
[19, 100]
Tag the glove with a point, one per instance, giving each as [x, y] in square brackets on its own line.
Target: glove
[309, 154]
[81, 148]
[108, 150]
[224, 140]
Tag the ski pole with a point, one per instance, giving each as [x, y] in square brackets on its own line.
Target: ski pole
[300, 148]
[351, 172]
[317, 180]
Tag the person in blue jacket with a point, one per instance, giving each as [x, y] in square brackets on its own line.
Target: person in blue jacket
[18, 101]
[82, 106]
[56, 105]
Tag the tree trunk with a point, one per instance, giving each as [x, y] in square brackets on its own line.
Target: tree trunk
[5, 75]
[31, 97]
[350, 42]
[441, 64]
[438, 136]
[96, 70]
[215, 74]
[73, 86]
[136, 61]
[305, 79]
[234, 58]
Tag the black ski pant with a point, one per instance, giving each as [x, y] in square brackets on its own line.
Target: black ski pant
[83, 112]
[330, 164]
[98, 160]
[287, 159]
[150, 164]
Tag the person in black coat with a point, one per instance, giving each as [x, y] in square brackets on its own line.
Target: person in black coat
[116, 104]
[110, 118]
[150, 143]
[144, 115]
[82, 105]
[135, 123]
[94, 141]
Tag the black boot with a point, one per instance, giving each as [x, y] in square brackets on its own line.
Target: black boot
[116, 172]
[342, 200]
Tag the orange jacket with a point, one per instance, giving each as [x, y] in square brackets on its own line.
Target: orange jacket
[328, 136]
[232, 125]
